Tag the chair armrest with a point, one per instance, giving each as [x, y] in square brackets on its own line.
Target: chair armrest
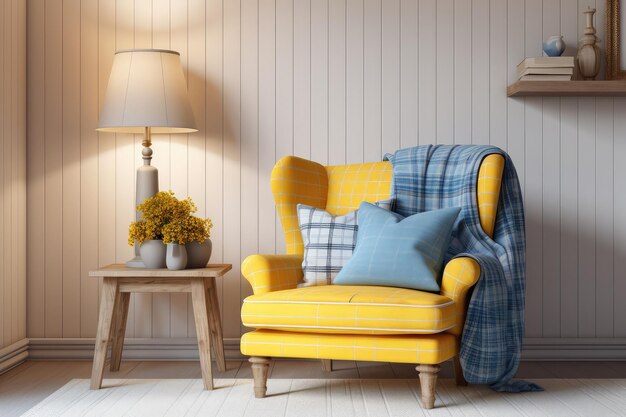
[459, 276]
[268, 273]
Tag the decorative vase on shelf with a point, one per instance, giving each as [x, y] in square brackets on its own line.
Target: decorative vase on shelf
[588, 56]
[176, 258]
[198, 254]
[554, 45]
[153, 253]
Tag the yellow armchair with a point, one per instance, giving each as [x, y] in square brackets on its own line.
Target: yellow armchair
[354, 322]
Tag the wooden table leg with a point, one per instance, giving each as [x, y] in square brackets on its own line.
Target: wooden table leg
[215, 325]
[108, 301]
[121, 315]
[200, 314]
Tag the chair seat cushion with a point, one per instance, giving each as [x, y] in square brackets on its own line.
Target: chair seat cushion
[405, 348]
[350, 310]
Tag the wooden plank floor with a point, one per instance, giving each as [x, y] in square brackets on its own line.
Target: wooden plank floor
[23, 387]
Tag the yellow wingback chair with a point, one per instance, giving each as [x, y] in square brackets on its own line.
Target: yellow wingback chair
[361, 323]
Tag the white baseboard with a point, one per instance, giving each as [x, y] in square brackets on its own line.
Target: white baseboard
[186, 349]
[13, 355]
[134, 349]
[580, 348]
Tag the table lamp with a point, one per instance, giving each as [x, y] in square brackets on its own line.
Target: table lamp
[147, 93]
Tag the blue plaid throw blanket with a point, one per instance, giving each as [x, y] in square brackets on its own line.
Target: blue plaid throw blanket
[432, 177]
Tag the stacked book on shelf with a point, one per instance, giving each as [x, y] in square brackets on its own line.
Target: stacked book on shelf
[560, 68]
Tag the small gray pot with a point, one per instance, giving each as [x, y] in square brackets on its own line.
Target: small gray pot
[198, 254]
[176, 258]
[152, 254]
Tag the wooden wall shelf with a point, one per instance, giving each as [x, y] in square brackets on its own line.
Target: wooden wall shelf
[567, 88]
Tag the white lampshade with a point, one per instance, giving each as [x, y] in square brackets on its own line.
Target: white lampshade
[147, 88]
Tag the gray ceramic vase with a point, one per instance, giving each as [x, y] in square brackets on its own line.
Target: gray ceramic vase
[153, 254]
[198, 254]
[176, 258]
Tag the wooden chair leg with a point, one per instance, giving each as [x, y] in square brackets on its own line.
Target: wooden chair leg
[121, 315]
[327, 365]
[428, 382]
[260, 368]
[458, 372]
[108, 301]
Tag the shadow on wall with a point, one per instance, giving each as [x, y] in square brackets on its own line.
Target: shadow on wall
[570, 281]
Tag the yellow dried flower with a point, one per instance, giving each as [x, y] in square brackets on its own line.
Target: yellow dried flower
[170, 219]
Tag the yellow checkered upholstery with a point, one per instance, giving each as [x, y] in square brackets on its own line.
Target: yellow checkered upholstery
[349, 185]
[297, 181]
[425, 349]
[350, 310]
[489, 182]
[311, 326]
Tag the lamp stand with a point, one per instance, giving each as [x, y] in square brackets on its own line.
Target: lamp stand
[147, 186]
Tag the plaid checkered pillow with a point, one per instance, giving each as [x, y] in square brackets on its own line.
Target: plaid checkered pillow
[328, 242]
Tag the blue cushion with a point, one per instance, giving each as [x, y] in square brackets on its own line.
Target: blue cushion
[394, 251]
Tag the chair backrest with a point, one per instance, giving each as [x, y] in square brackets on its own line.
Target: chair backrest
[340, 189]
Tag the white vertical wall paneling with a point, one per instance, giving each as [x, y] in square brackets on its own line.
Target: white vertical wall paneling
[35, 242]
[319, 76]
[463, 71]
[619, 231]
[21, 183]
[390, 16]
[284, 78]
[12, 172]
[15, 184]
[428, 80]
[337, 81]
[214, 115]
[551, 299]
[586, 216]
[604, 201]
[302, 78]
[480, 71]
[604, 272]
[5, 214]
[372, 80]
[71, 169]
[498, 73]
[249, 133]
[232, 167]
[267, 117]
[89, 204]
[445, 71]
[5, 174]
[409, 72]
[515, 107]
[532, 179]
[354, 80]
[53, 100]
[568, 177]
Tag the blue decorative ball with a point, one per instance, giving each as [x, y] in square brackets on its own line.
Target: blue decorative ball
[554, 46]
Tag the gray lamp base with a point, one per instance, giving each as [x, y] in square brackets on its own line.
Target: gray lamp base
[136, 262]
[147, 185]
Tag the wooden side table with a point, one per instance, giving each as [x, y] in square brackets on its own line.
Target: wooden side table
[119, 281]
